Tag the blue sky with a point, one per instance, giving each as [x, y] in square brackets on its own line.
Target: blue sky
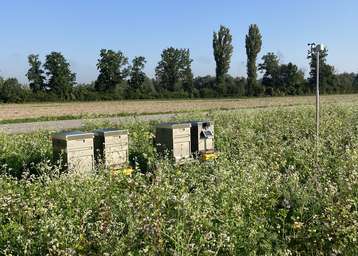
[80, 28]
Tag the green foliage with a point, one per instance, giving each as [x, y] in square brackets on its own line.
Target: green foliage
[112, 67]
[35, 74]
[137, 76]
[281, 79]
[292, 81]
[355, 83]
[271, 69]
[60, 78]
[222, 53]
[117, 80]
[23, 153]
[206, 87]
[345, 83]
[263, 196]
[326, 72]
[12, 91]
[139, 85]
[253, 44]
[174, 70]
[174, 77]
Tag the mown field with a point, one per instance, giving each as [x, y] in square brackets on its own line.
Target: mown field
[264, 195]
[74, 110]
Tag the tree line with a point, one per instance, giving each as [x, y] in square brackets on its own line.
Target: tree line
[120, 78]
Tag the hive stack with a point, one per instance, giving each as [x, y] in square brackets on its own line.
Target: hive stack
[111, 147]
[75, 150]
[174, 138]
[202, 137]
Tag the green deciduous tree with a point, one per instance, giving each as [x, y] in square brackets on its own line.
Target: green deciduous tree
[345, 82]
[253, 46]
[60, 78]
[285, 79]
[174, 70]
[35, 74]
[112, 67]
[139, 85]
[326, 72]
[136, 74]
[222, 53]
[291, 80]
[355, 83]
[271, 69]
[12, 91]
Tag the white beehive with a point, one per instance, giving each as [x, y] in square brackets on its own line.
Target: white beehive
[111, 147]
[75, 149]
[174, 138]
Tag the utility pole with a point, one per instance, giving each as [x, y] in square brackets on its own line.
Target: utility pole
[315, 50]
[317, 98]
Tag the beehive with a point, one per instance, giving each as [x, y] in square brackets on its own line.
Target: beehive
[174, 138]
[202, 137]
[75, 149]
[111, 147]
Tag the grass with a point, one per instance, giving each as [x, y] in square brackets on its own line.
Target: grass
[264, 195]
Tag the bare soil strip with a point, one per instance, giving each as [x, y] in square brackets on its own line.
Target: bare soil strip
[74, 124]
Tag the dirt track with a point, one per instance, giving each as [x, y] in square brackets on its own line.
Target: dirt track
[72, 124]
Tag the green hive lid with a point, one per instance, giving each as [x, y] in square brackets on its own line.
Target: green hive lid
[174, 125]
[110, 132]
[72, 135]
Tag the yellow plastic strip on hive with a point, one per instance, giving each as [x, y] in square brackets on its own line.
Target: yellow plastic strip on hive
[127, 171]
[209, 156]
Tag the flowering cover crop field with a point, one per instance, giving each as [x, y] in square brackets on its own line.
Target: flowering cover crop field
[264, 195]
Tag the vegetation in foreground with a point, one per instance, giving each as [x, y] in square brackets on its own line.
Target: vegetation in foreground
[264, 195]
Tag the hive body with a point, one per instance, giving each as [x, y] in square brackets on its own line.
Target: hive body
[75, 150]
[202, 137]
[111, 147]
[174, 139]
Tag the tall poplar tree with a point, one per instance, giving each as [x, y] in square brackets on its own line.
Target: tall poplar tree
[253, 46]
[222, 53]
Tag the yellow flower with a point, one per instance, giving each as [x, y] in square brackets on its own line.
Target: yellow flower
[127, 171]
[297, 225]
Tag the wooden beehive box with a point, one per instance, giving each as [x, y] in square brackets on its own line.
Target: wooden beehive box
[174, 138]
[202, 136]
[111, 147]
[75, 149]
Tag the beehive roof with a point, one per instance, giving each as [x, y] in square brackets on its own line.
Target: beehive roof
[72, 135]
[110, 132]
[174, 125]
